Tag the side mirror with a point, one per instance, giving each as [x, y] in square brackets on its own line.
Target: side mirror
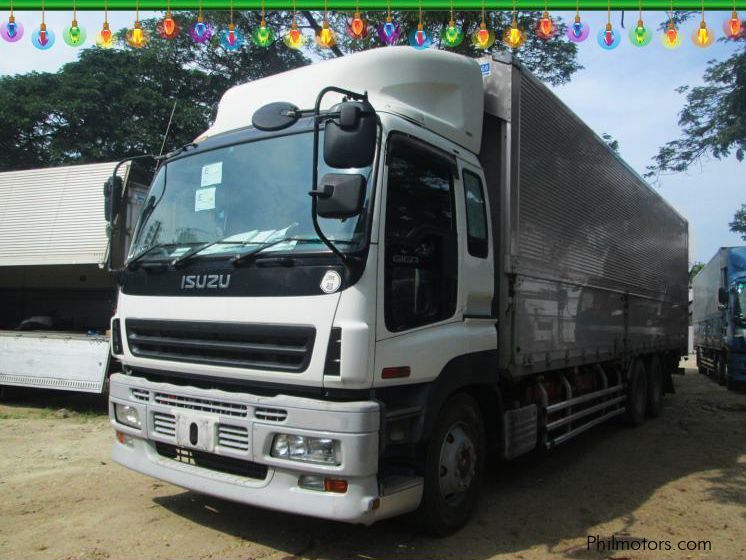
[112, 197]
[340, 196]
[350, 139]
[723, 297]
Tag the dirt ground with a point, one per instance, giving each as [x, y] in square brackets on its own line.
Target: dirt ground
[681, 477]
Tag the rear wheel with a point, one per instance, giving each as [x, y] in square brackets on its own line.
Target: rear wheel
[637, 394]
[655, 387]
[453, 467]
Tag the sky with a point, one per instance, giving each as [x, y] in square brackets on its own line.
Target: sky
[628, 92]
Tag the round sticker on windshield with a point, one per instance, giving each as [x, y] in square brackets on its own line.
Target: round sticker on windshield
[331, 282]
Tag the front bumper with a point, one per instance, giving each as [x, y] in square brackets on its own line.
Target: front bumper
[240, 427]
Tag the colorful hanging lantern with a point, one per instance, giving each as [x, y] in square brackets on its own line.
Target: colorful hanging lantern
[419, 38]
[609, 38]
[578, 31]
[263, 36]
[325, 36]
[452, 35]
[42, 38]
[514, 36]
[294, 39]
[389, 32]
[200, 31]
[357, 27]
[639, 35]
[671, 38]
[703, 36]
[231, 38]
[74, 35]
[137, 37]
[167, 27]
[482, 38]
[733, 26]
[105, 38]
[545, 27]
[11, 30]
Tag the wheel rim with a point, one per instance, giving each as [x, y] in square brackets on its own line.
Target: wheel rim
[457, 466]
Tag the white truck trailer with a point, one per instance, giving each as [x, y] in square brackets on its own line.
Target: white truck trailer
[56, 299]
[475, 273]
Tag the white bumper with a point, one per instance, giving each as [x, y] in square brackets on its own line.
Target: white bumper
[257, 419]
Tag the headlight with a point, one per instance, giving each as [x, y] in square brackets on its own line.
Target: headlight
[127, 415]
[304, 448]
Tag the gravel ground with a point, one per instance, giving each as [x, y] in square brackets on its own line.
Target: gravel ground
[681, 477]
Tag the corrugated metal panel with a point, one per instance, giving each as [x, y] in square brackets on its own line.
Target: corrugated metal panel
[584, 215]
[54, 215]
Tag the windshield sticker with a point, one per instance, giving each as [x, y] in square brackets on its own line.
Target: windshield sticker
[212, 174]
[204, 199]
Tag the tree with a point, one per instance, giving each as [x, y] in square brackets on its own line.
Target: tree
[713, 120]
[738, 225]
[113, 103]
[612, 142]
[694, 270]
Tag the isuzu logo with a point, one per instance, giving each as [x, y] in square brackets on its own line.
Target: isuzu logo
[205, 281]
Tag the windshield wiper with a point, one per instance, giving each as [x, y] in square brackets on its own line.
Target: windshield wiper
[137, 258]
[238, 259]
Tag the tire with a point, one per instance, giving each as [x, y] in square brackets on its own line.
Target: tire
[655, 387]
[637, 394]
[454, 467]
[722, 369]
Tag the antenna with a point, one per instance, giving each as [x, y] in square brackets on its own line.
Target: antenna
[168, 128]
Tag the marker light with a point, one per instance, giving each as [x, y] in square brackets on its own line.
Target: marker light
[514, 36]
[200, 32]
[733, 27]
[703, 36]
[452, 36]
[671, 38]
[545, 27]
[639, 35]
[357, 28]
[483, 38]
[608, 38]
[137, 37]
[294, 38]
[263, 36]
[11, 30]
[74, 35]
[578, 31]
[389, 32]
[167, 27]
[231, 38]
[42, 38]
[325, 36]
[105, 38]
[419, 38]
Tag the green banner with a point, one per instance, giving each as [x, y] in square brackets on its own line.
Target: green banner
[348, 5]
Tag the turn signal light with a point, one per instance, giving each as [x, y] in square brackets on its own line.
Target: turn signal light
[335, 485]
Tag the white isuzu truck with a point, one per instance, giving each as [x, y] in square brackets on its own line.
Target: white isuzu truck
[372, 274]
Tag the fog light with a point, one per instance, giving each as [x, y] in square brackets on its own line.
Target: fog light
[127, 415]
[124, 439]
[311, 482]
[306, 449]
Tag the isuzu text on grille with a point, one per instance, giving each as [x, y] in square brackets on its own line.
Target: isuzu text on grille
[200, 281]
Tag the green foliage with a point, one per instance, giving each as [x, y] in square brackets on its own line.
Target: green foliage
[738, 225]
[713, 121]
[612, 142]
[113, 103]
[694, 270]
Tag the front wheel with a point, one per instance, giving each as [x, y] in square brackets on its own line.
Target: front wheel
[722, 369]
[454, 467]
[637, 394]
[655, 387]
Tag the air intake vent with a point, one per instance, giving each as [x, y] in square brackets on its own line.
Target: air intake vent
[203, 405]
[334, 353]
[233, 437]
[271, 414]
[140, 394]
[164, 424]
[266, 347]
[213, 462]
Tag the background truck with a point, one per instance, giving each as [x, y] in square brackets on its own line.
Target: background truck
[56, 299]
[474, 274]
[718, 316]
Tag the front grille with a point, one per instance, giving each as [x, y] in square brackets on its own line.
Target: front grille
[164, 424]
[203, 405]
[212, 462]
[266, 347]
[271, 414]
[233, 437]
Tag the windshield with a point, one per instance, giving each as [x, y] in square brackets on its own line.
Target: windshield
[246, 194]
[740, 306]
